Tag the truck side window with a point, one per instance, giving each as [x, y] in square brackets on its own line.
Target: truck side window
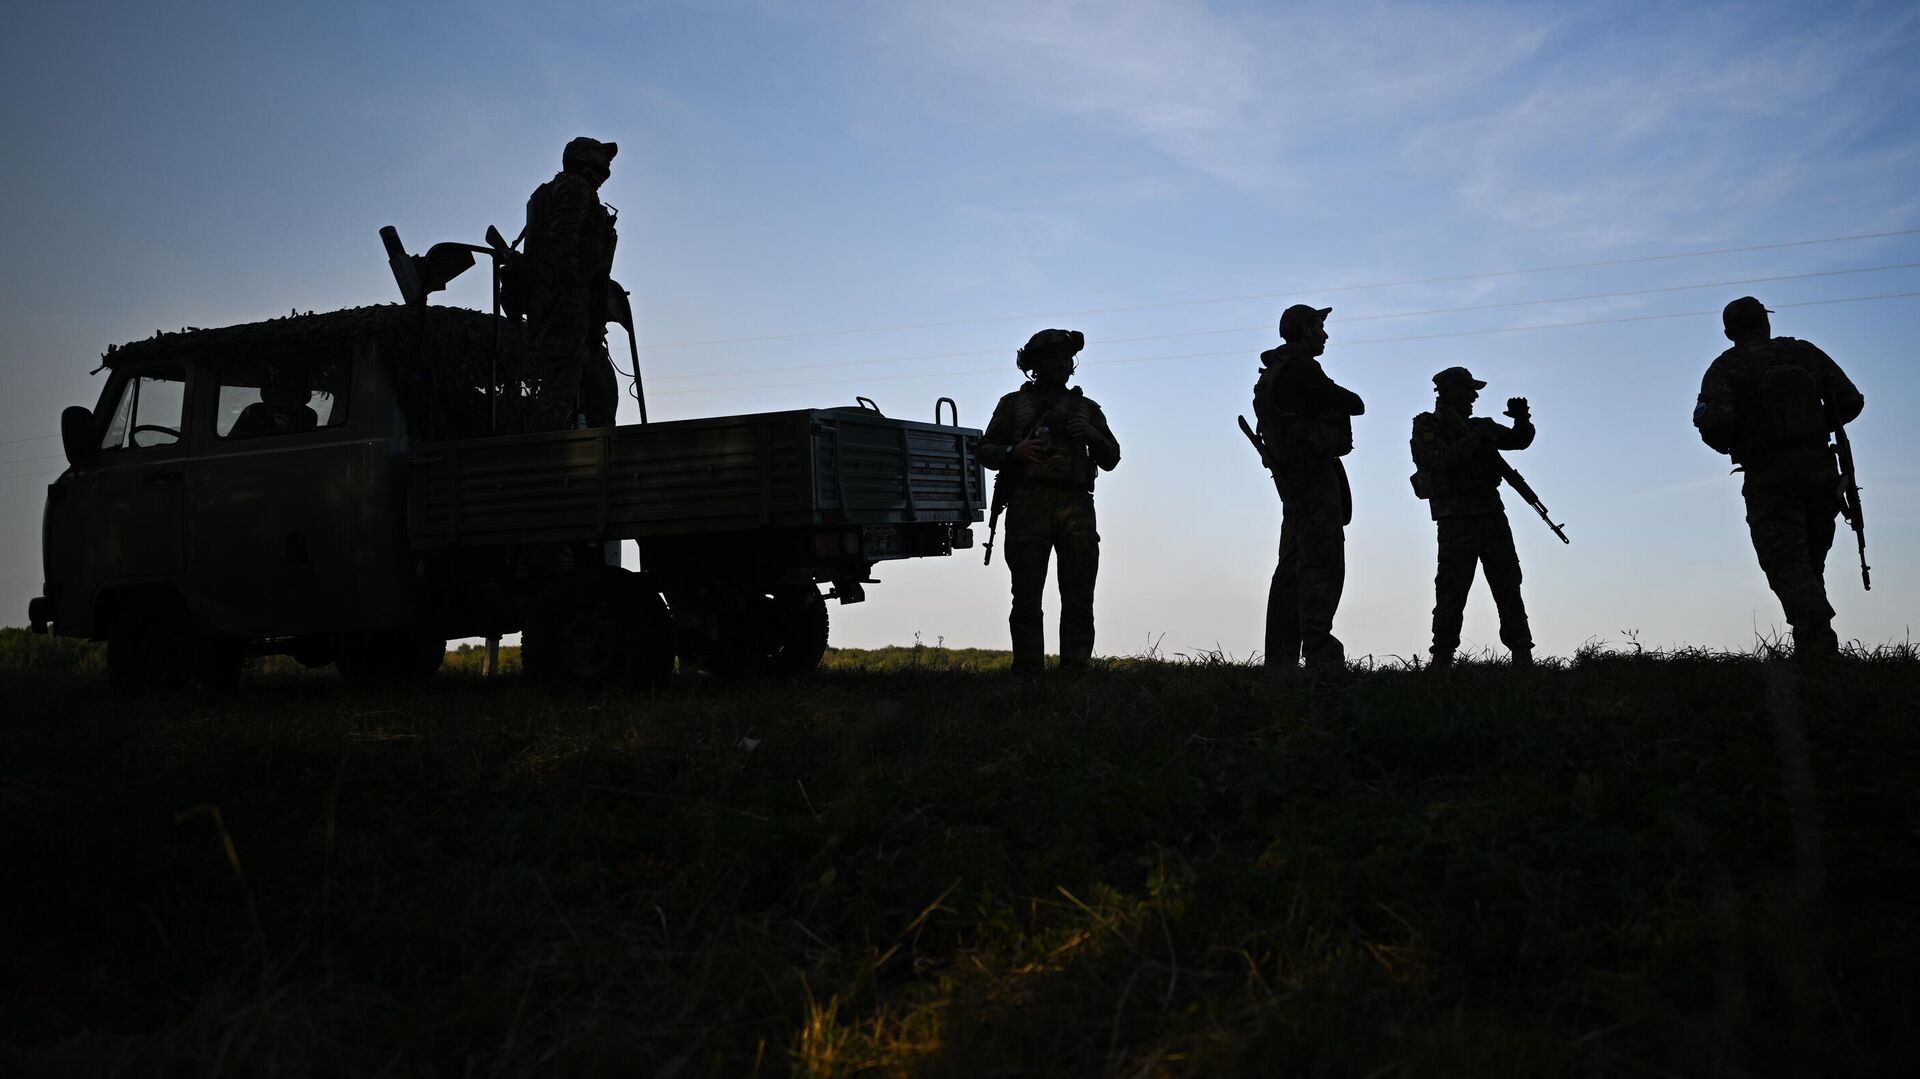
[280, 395]
[148, 412]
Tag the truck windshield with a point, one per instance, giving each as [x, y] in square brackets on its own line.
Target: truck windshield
[148, 411]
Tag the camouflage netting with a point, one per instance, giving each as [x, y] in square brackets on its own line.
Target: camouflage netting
[438, 362]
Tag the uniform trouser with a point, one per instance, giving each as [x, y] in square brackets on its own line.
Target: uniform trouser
[599, 390]
[1790, 514]
[1486, 540]
[561, 333]
[1311, 574]
[1040, 521]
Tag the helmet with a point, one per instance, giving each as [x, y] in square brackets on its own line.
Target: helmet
[1049, 342]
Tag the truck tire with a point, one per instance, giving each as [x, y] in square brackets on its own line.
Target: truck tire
[800, 632]
[390, 656]
[598, 628]
[781, 634]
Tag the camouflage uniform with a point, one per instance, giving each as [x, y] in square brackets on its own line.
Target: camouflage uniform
[1459, 472]
[1306, 420]
[1050, 509]
[570, 243]
[1769, 403]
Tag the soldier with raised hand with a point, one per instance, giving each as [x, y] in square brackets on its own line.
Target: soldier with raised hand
[1456, 456]
[1050, 442]
[570, 241]
[1769, 403]
[1306, 426]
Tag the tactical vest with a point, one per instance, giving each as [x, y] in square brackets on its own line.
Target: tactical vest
[1284, 427]
[598, 238]
[1063, 460]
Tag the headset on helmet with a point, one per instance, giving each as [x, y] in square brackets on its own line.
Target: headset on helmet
[1049, 342]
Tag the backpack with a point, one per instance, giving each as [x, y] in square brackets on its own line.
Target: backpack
[1780, 398]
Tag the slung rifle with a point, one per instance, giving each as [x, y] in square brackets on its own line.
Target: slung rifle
[1850, 505]
[1520, 487]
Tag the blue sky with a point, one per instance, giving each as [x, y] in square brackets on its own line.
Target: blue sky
[948, 178]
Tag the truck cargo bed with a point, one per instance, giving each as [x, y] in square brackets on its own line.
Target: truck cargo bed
[810, 467]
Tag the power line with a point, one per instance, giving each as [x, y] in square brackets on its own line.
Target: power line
[1294, 291]
[1344, 319]
[29, 438]
[1243, 352]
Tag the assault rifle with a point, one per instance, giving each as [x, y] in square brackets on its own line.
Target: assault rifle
[1260, 447]
[1850, 500]
[1520, 487]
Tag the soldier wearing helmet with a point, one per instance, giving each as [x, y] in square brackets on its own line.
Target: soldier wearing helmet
[1306, 425]
[1457, 460]
[570, 243]
[1050, 442]
[1769, 403]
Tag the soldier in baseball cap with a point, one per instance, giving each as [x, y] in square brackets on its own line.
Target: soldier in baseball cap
[1306, 426]
[570, 242]
[1770, 403]
[1457, 471]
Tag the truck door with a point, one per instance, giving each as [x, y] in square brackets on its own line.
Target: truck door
[131, 501]
[270, 489]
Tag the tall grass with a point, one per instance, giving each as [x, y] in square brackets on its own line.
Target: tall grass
[1624, 863]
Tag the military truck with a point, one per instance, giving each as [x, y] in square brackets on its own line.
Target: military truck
[358, 487]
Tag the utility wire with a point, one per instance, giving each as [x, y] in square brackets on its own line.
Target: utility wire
[1243, 352]
[1344, 319]
[1295, 291]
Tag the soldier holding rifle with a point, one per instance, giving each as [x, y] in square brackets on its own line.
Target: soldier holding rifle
[1458, 472]
[1306, 426]
[1770, 403]
[1047, 443]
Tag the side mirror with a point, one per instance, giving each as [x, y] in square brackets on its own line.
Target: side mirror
[76, 435]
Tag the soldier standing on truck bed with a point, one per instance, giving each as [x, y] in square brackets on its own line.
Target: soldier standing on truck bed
[1458, 471]
[1049, 442]
[1306, 426]
[570, 242]
[1769, 403]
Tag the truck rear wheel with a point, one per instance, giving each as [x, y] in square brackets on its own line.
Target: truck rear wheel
[598, 628]
[781, 633]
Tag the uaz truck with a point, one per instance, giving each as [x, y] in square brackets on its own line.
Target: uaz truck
[358, 487]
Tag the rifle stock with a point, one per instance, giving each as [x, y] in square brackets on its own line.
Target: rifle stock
[1521, 488]
[1850, 505]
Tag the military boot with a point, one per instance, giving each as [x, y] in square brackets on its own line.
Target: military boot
[1523, 657]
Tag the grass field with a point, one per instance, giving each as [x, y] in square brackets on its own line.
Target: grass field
[913, 863]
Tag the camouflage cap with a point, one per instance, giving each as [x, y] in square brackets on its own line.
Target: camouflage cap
[1296, 319]
[586, 151]
[1457, 378]
[1743, 312]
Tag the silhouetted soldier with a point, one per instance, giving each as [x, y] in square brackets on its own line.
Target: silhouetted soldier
[1050, 442]
[1306, 422]
[1769, 402]
[1457, 460]
[570, 242]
